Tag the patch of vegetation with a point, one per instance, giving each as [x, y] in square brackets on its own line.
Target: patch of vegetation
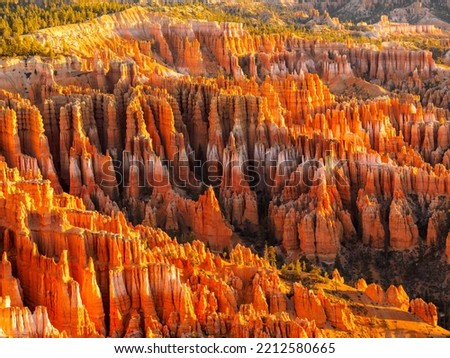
[339, 294]
[184, 237]
[19, 18]
[270, 255]
[434, 43]
[293, 271]
[23, 46]
[358, 309]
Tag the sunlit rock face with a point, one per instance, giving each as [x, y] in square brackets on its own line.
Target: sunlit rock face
[142, 175]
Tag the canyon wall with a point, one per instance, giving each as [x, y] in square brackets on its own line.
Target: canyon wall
[135, 171]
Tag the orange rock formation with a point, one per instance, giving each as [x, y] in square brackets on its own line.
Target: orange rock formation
[133, 173]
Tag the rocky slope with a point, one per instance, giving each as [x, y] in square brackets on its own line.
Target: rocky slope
[131, 165]
[409, 11]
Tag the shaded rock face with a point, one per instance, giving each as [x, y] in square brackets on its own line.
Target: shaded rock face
[132, 168]
[447, 248]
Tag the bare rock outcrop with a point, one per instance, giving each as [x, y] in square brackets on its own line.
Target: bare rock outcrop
[425, 311]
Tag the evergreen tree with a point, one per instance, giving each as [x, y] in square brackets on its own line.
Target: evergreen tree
[17, 26]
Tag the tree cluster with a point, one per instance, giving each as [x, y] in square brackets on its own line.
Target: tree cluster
[19, 18]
